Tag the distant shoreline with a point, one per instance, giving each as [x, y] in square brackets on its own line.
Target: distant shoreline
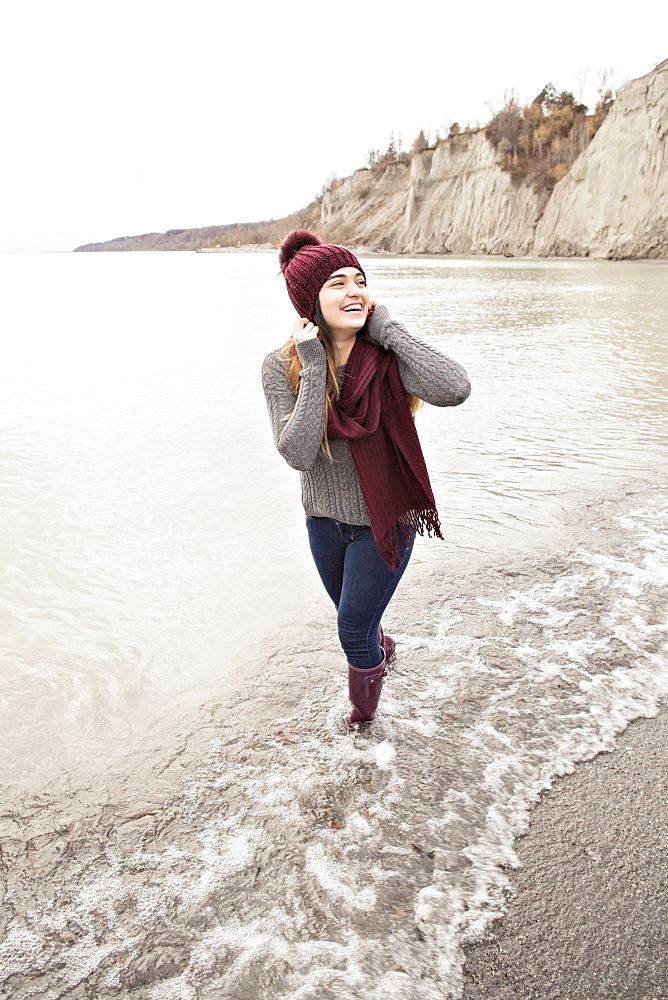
[363, 252]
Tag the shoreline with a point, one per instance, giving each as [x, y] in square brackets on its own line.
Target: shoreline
[266, 817]
[587, 916]
[363, 251]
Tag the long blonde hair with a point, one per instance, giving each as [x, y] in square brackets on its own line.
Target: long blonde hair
[293, 366]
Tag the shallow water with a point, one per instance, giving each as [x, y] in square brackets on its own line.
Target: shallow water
[154, 555]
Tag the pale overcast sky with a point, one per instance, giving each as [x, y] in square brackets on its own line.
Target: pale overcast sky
[137, 116]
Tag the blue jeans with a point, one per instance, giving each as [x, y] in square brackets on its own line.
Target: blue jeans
[357, 580]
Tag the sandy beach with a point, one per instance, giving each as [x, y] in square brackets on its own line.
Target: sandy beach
[270, 853]
[588, 915]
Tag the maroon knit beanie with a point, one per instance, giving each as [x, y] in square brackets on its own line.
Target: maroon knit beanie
[307, 263]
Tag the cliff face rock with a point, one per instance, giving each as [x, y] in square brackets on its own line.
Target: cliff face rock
[452, 199]
[460, 200]
[457, 199]
[614, 201]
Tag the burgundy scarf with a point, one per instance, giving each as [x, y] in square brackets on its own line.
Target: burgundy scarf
[373, 414]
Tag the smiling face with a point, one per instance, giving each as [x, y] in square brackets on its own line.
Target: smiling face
[344, 301]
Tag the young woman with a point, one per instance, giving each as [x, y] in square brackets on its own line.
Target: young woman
[341, 395]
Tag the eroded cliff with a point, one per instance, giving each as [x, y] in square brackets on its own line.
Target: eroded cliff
[451, 199]
[614, 201]
[456, 198]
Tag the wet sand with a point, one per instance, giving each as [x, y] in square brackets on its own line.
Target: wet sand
[265, 851]
[589, 914]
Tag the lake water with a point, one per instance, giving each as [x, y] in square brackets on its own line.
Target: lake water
[197, 821]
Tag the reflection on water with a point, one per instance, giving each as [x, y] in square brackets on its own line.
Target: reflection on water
[147, 527]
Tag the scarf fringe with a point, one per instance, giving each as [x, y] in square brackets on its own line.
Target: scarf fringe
[411, 523]
[422, 522]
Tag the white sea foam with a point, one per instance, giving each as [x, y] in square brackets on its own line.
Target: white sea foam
[323, 865]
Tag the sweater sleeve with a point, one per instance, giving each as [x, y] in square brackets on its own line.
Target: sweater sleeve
[425, 372]
[297, 423]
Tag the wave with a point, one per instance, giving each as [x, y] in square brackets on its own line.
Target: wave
[293, 858]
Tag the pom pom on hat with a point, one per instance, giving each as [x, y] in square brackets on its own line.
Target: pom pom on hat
[294, 242]
[306, 263]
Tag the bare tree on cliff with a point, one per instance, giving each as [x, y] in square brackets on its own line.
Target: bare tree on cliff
[606, 95]
[390, 154]
[420, 142]
[542, 140]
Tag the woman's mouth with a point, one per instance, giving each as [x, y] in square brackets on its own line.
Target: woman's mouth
[356, 307]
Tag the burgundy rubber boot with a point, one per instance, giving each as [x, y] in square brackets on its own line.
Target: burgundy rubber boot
[387, 643]
[364, 687]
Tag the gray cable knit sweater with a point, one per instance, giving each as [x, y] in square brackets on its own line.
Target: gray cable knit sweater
[330, 487]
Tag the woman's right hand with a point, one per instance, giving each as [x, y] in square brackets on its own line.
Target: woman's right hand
[304, 330]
